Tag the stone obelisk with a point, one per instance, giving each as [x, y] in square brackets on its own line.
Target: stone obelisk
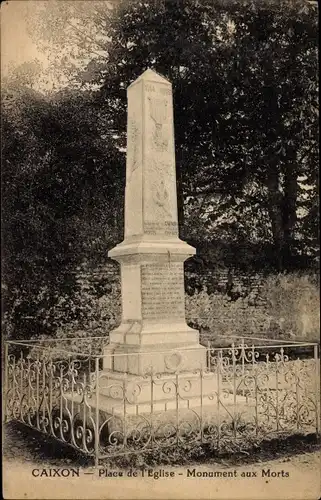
[153, 332]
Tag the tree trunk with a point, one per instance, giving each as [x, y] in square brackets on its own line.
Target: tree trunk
[289, 211]
[282, 211]
[180, 198]
[275, 212]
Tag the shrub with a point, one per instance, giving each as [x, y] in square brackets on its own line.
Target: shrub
[293, 300]
[288, 308]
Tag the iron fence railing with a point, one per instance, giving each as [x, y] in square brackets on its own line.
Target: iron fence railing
[241, 393]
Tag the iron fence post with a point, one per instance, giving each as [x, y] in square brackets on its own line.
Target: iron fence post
[84, 414]
[234, 389]
[243, 364]
[152, 405]
[277, 391]
[97, 413]
[44, 393]
[219, 374]
[317, 381]
[201, 416]
[37, 391]
[177, 406]
[256, 389]
[21, 385]
[297, 397]
[125, 410]
[6, 374]
[50, 374]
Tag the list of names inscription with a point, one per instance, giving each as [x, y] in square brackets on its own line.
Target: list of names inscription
[163, 291]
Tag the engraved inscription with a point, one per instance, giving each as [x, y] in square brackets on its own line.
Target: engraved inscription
[165, 91]
[149, 87]
[163, 291]
[167, 228]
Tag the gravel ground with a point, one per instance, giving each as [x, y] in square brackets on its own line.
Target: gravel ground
[24, 450]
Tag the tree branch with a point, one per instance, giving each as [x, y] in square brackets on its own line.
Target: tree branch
[85, 35]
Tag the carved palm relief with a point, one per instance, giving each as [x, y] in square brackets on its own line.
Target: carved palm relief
[132, 143]
[158, 110]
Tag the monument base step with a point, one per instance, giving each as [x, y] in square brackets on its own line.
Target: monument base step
[131, 391]
[150, 420]
[139, 360]
[156, 335]
[124, 394]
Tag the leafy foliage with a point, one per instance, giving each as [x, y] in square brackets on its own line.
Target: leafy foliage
[60, 183]
[244, 75]
[287, 307]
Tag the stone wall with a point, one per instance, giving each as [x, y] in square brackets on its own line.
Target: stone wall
[224, 281]
[229, 301]
[223, 302]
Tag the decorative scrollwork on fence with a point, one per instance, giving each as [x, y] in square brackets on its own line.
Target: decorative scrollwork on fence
[245, 392]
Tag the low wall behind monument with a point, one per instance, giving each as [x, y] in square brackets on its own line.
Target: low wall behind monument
[226, 301]
[222, 281]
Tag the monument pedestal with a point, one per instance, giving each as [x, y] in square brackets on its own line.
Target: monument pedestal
[153, 309]
[153, 336]
[155, 377]
[163, 421]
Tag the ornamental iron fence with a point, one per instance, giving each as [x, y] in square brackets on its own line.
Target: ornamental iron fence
[243, 393]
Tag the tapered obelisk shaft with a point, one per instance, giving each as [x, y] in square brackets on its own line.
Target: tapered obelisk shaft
[152, 255]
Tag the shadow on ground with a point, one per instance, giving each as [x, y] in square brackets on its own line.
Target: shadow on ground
[25, 444]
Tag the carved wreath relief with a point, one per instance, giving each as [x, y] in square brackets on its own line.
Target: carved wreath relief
[161, 197]
[163, 173]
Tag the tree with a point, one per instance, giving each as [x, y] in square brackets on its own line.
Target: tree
[244, 75]
[61, 177]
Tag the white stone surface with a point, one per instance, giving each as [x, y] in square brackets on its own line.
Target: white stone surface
[139, 360]
[153, 334]
[152, 255]
[151, 199]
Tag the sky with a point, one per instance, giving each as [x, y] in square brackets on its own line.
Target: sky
[18, 47]
[16, 44]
